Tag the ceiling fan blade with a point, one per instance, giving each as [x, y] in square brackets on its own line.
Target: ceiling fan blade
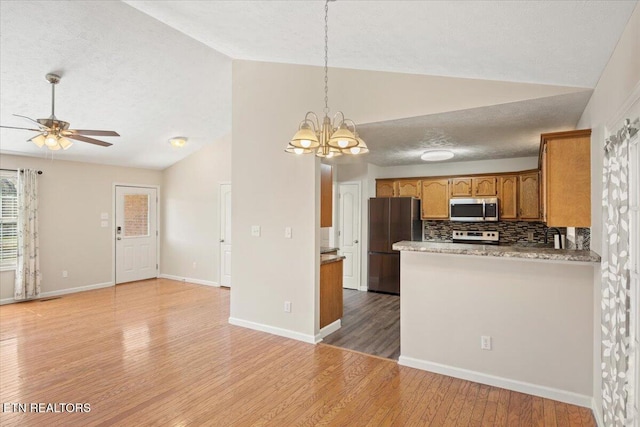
[13, 127]
[90, 132]
[89, 140]
[31, 120]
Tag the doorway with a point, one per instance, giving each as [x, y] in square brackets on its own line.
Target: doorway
[349, 232]
[225, 235]
[136, 233]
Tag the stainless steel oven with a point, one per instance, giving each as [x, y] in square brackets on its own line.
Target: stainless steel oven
[474, 210]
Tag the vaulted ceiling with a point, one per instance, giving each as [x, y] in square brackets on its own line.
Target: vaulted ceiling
[153, 70]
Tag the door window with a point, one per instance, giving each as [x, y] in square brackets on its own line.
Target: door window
[136, 215]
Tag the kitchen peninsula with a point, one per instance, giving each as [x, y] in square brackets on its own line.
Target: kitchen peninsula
[530, 308]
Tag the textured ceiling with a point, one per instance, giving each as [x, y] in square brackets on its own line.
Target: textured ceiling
[495, 132]
[565, 43]
[163, 68]
[121, 70]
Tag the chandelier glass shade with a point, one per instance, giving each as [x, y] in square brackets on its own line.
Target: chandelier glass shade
[334, 137]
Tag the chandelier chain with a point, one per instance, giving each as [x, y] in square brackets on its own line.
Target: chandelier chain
[326, 57]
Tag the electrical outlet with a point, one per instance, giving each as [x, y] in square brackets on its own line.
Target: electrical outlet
[287, 232]
[530, 236]
[485, 342]
[65, 273]
[255, 230]
[287, 306]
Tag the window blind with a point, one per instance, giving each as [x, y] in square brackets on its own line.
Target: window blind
[8, 218]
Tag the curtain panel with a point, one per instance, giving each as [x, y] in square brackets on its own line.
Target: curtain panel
[616, 340]
[27, 281]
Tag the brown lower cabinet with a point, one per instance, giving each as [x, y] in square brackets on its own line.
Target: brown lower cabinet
[331, 306]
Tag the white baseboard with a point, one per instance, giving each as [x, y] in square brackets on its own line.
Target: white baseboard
[597, 412]
[189, 280]
[509, 384]
[363, 288]
[287, 333]
[62, 292]
[329, 329]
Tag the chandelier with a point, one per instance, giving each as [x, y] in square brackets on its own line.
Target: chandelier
[334, 137]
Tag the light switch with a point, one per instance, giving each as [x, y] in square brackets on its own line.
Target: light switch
[255, 230]
[104, 224]
[104, 215]
[287, 232]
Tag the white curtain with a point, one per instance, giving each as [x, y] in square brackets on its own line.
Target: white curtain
[616, 347]
[27, 284]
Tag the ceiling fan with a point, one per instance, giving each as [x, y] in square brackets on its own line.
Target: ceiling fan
[54, 133]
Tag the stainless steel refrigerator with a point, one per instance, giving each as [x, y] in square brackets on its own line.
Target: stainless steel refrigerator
[391, 219]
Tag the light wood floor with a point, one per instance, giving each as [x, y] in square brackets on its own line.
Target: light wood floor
[161, 353]
[370, 324]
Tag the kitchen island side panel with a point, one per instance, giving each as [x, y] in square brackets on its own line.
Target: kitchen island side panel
[539, 316]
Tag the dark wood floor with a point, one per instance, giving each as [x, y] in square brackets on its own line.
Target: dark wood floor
[370, 324]
[162, 353]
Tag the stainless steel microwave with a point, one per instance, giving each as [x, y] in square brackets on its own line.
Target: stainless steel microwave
[474, 210]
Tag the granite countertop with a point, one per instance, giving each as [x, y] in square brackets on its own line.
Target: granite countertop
[499, 251]
[325, 249]
[326, 259]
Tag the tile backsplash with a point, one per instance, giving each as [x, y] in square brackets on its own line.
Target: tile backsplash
[510, 231]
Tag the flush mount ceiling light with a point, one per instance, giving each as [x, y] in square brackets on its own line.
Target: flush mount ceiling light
[178, 141]
[436, 155]
[334, 137]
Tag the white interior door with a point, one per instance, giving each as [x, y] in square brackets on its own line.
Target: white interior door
[225, 235]
[136, 233]
[349, 233]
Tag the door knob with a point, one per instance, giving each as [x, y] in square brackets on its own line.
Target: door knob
[355, 242]
[221, 240]
[118, 238]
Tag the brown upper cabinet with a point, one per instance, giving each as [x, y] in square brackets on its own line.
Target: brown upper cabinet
[565, 163]
[484, 186]
[528, 196]
[326, 195]
[508, 196]
[408, 188]
[435, 199]
[460, 187]
[473, 187]
[386, 188]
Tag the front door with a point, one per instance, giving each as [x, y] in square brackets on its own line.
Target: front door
[349, 233]
[225, 235]
[136, 233]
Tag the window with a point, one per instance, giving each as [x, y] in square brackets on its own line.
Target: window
[8, 219]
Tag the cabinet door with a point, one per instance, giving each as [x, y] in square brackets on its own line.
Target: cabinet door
[408, 188]
[435, 199]
[386, 188]
[529, 196]
[326, 195]
[461, 187]
[485, 186]
[508, 196]
[568, 180]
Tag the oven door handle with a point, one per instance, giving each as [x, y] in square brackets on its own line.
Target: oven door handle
[484, 211]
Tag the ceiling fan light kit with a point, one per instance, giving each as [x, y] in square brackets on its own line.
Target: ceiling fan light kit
[55, 134]
[334, 137]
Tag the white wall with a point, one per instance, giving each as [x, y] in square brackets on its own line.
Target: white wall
[191, 213]
[538, 314]
[619, 80]
[72, 195]
[273, 189]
